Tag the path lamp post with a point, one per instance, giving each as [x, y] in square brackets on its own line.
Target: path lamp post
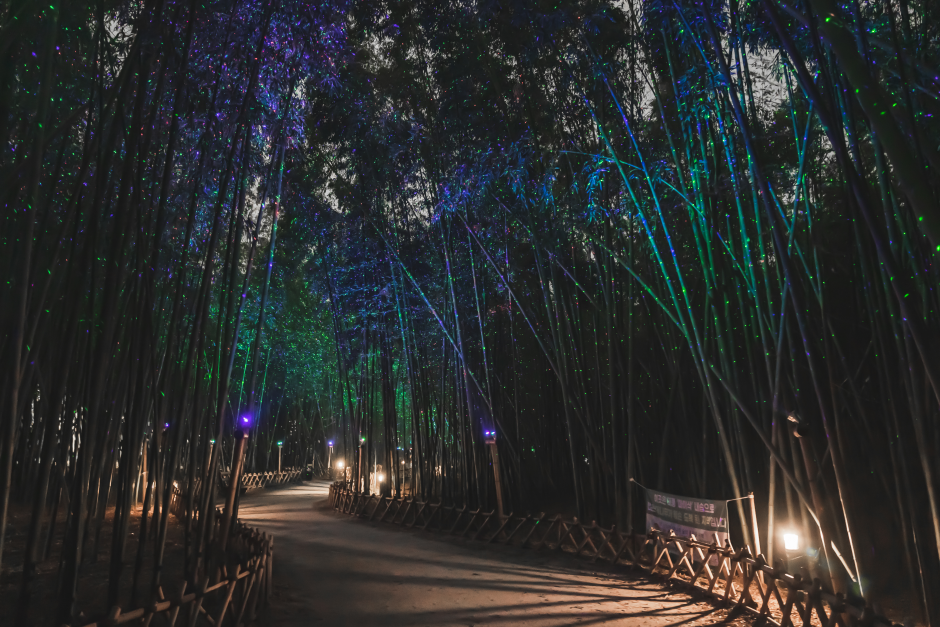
[280, 445]
[209, 458]
[800, 430]
[362, 441]
[241, 439]
[791, 546]
[490, 438]
[329, 462]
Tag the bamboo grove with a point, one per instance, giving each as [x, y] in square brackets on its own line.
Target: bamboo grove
[688, 244]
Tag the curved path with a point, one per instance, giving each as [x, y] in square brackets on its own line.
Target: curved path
[333, 569]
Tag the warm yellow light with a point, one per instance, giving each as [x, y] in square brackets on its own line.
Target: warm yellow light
[381, 478]
[339, 464]
[791, 541]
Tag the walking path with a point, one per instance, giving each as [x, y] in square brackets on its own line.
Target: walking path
[333, 569]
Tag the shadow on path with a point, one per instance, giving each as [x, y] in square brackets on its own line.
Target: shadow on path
[332, 569]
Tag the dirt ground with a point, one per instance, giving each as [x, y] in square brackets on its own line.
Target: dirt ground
[93, 585]
[333, 569]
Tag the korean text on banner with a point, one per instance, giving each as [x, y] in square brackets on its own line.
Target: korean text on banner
[686, 516]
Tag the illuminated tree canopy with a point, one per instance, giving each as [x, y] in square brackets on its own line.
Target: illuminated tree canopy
[691, 243]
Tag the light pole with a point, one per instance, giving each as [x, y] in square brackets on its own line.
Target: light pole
[280, 445]
[241, 439]
[362, 441]
[329, 462]
[490, 438]
[791, 547]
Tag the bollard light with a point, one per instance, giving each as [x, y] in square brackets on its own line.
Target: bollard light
[339, 464]
[791, 541]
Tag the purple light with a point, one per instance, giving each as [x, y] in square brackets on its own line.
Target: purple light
[166, 425]
[245, 419]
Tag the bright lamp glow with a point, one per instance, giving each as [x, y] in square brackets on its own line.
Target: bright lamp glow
[330, 443]
[380, 478]
[245, 419]
[791, 541]
[280, 444]
[339, 464]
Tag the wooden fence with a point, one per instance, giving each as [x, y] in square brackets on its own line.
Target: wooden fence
[240, 586]
[256, 480]
[178, 498]
[733, 578]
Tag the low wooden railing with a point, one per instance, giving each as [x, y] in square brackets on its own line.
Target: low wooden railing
[731, 577]
[254, 480]
[234, 592]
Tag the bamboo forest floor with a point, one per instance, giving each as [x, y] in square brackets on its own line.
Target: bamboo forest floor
[332, 569]
[93, 585]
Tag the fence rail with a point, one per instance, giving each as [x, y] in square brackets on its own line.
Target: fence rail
[734, 578]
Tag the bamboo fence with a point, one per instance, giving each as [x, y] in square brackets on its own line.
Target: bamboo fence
[242, 584]
[252, 481]
[730, 577]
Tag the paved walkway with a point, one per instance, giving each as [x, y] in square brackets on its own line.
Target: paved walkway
[333, 569]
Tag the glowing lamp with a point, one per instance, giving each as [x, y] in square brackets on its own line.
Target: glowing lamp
[380, 478]
[280, 444]
[339, 464]
[211, 441]
[330, 443]
[245, 420]
[791, 541]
